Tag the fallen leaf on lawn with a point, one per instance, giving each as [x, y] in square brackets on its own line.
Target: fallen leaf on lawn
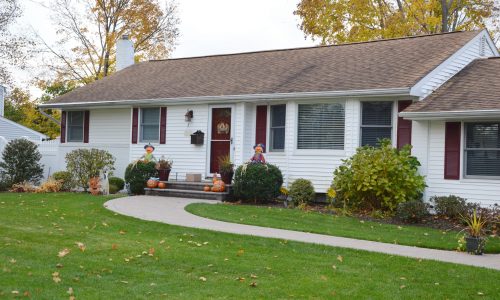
[27, 294]
[425, 233]
[334, 267]
[81, 246]
[240, 252]
[205, 243]
[72, 297]
[340, 258]
[240, 279]
[105, 224]
[402, 286]
[226, 259]
[253, 284]
[15, 292]
[12, 261]
[123, 281]
[63, 252]
[126, 259]
[114, 246]
[151, 251]
[55, 277]
[162, 241]
[480, 293]
[70, 291]
[59, 266]
[436, 283]
[402, 278]
[152, 284]
[122, 232]
[400, 228]
[253, 276]
[203, 278]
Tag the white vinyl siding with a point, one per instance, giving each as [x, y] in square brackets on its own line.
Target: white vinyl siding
[321, 126]
[277, 128]
[376, 122]
[74, 126]
[150, 125]
[482, 150]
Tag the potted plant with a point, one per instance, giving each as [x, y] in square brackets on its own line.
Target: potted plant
[164, 166]
[474, 240]
[226, 169]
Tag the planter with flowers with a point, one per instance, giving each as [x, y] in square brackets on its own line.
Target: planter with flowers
[226, 169]
[164, 166]
[474, 240]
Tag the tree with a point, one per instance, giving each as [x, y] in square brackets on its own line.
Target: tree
[21, 162]
[90, 29]
[341, 21]
[12, 46]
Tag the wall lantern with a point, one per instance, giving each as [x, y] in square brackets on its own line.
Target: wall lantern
[188, 116]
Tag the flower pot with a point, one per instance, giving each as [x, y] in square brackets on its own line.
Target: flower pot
[163, 174]
[227, 177]
[475, 245]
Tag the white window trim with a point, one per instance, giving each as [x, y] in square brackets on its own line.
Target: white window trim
[141, 140]
[394, 120]
[68, 127]
[463, 157]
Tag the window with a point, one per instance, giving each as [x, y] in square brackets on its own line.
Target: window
[75, 126]
[277, 128]
[321, 126]
[376, 122]
[482, 149]
[150, 124]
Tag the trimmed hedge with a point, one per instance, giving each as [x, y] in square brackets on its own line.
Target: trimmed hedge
[137, 174]
[258, 183]
[302, 191]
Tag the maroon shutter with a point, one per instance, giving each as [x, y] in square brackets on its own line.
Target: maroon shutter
[404, 126]
[135, 124]
[163, 125]
[452, 150]
[63, 126]
[261, 125]
[86, 120]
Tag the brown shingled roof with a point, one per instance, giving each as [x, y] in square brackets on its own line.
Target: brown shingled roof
[476, 87]
[393, 63]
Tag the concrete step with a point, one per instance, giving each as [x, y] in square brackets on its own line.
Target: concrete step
[194, 194]
[192, 186]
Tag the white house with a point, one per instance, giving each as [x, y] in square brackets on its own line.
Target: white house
[311, 107]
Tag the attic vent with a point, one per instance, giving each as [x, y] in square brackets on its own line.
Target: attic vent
[482, 46]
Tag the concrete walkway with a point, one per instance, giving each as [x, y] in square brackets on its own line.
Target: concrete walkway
[171, 211]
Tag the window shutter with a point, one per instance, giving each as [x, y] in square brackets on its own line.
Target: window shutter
[452, 150]
[86, 120]
[261, 125]
[135, 124]
[163, 125]
[63, 127]
[404, 126]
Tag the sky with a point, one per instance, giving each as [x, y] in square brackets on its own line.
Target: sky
[207, 26]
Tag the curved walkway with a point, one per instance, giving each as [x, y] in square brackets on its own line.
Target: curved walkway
[171, 211]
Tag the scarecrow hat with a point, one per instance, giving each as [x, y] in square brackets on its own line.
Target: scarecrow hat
[149, 145]
[260, 145]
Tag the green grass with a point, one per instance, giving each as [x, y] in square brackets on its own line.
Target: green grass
[295, 219]
[35, 227]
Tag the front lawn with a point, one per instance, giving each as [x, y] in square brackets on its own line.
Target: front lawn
[295, 219]
[126, 258]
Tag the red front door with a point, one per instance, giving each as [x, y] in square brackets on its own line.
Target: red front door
[220, 144]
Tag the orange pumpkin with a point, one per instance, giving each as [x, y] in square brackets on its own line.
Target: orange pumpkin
[152, 183]
[219, 185]
[162, 185]
[206, 188]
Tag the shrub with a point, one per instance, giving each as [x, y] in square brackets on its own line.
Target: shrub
[23, 187]
[257, 182]
[84, 164]
[138, 173]
[66, 179]
[302, 191]
[450, 206]
[50, 186]
[117, 182]
[113, 189]
[21, 162]
[412, 211]
[378, 178]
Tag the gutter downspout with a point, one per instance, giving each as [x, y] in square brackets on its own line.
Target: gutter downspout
[49, 116]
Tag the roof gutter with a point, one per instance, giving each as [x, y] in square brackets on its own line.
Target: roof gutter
[447, 115]
[232, 98]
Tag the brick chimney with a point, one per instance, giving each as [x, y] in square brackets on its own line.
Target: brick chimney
[124, 53]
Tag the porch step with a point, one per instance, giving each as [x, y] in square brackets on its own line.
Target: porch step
[192, 186]
[183, 193]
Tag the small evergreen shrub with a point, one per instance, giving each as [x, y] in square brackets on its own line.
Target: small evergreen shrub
[258, 183]
[302, 191]
[412, 211]
[452, 206]
[117, 182]
[21, 162]
[66, 179]
[113, 189]
[378, 178]
[84, 164]
[137, 174]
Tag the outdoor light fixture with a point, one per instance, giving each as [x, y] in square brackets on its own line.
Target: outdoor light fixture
[188, 116]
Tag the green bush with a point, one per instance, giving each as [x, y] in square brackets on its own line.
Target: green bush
[378, 178]
[66, 178]
[257, 182]
[412, 211]
[302, 191]
[113, 189]
[21, 162]
[84, 164]
[117, 182]
[137, 174]
[451, 206]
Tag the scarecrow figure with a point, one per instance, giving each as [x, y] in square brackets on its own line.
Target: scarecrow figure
[148, 156]
[258, 157]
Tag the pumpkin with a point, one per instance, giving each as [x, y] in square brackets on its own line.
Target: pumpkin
[219, 185]
[162, 185]
[152, 183]
[206, 188]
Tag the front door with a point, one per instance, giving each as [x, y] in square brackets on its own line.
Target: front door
[220, 144]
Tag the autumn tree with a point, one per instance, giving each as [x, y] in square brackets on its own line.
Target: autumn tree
[89, 29]
[340, 21]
